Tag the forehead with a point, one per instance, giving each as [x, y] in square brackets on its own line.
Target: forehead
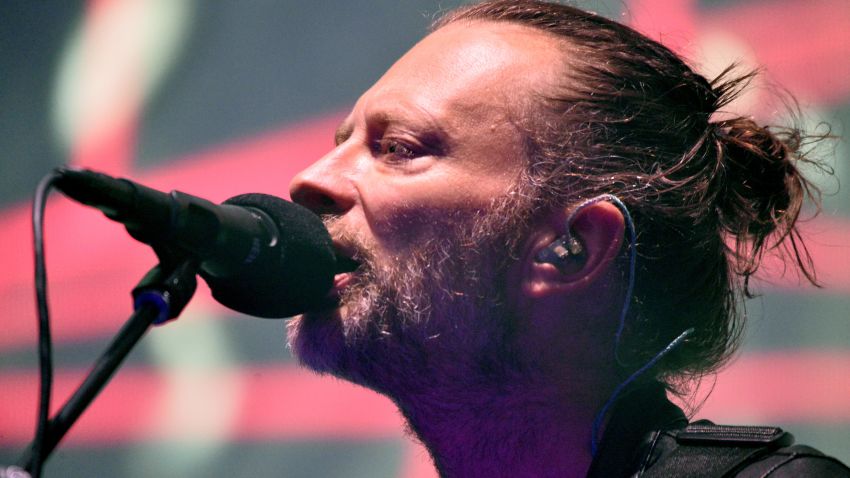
[471, 71]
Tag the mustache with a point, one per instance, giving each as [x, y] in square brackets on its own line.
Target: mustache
[349, 243]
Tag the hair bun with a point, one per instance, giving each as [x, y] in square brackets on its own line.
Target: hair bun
[762, 190]
[762, 187]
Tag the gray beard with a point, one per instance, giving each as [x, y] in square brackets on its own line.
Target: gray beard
[433, 317]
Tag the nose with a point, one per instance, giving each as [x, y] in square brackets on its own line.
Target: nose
[324, 187]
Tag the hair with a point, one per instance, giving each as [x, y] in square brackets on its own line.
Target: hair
[709, 196]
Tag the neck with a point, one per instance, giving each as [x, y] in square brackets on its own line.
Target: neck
[519, 430]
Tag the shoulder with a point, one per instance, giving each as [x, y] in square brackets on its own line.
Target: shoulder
[708, 450]
[795, 461]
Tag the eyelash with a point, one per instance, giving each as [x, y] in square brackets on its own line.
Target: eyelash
[383, 147]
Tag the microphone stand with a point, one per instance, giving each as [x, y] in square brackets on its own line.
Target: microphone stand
[160, 296]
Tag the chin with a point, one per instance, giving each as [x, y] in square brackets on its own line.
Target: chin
[318, 341]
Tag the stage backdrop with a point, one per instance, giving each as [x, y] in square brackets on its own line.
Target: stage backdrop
[221, 98]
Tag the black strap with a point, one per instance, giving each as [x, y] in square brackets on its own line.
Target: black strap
[705, 450]
[706, 433]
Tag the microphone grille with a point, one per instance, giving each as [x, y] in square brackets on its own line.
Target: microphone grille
[290, 278]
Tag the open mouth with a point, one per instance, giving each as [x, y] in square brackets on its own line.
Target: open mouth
[346, 265]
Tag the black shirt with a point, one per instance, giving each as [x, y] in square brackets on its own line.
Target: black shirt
[647, 436]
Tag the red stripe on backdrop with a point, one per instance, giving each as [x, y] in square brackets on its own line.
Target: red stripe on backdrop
[805, 46]
[285, 403]
[772, 387]
[828, 242]
[272, 403]
[672, 23]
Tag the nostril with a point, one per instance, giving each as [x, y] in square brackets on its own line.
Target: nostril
[317, 202]
[324, 204]
[321, 192]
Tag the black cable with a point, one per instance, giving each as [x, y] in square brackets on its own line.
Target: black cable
[45, 350]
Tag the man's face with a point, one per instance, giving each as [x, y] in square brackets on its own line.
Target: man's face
[421, 190]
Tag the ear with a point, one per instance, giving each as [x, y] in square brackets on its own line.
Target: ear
[599, 229]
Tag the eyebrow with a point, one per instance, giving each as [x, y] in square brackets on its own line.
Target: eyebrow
[343, 132]
[416, 118]
[418, 121]
[430, 132]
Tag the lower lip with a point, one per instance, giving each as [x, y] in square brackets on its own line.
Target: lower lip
[341, 281]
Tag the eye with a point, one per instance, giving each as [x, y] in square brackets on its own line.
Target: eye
[396, 150]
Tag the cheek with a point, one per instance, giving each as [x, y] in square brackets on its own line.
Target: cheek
[399, 222]
[403, 211]
[404, 226]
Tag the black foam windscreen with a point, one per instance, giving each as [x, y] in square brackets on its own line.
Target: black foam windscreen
[290, 277]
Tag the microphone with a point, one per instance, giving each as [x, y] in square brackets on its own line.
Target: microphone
[259, 254]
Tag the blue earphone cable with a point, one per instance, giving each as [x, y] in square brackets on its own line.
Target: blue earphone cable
[624, 312]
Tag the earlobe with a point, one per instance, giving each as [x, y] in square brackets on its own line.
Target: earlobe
[570, 258]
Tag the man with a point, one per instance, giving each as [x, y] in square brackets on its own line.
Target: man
[493, 297]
